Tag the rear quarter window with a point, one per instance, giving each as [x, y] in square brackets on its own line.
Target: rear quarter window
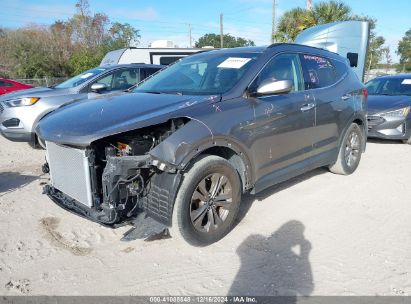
[320, 72]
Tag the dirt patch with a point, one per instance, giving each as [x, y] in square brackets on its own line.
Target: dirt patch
[128, 249]
[50, 225]
[22, 286]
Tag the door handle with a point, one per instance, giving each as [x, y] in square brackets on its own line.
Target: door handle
[307, 106]
[346, 97]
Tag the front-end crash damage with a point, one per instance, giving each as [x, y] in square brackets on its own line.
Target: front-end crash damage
[125, 180]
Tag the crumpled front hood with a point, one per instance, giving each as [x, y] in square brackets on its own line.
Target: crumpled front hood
[83, 122]
[383, 103]
[36, 92]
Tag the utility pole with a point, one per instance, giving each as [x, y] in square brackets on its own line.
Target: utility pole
[273, 24]
[189, 35]
[309, 5]
[221, 31]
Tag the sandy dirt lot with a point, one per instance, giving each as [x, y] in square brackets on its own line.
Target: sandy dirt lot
[318, 234]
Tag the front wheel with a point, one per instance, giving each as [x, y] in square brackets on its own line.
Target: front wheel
[407, 141]
[207, 202]
[349, 155]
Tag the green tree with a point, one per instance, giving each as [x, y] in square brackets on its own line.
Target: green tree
[404, 50]
[229, 41]
[326, 12]
[292, 23]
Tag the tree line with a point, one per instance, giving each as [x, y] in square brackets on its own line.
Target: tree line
[67, 48]
[63, 49]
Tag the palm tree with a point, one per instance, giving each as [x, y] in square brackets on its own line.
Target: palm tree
[296, 20]
[326, 12]
[292, 23]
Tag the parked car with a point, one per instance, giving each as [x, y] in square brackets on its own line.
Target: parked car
[8, 86]
[389, 105]
[21, 111]
[191, 140]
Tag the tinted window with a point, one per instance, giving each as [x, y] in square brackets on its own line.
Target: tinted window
[320, 72]
[340, 68]
[282, 67]
[5, 84]
[169, 60]
[149, 71]
[389, 86]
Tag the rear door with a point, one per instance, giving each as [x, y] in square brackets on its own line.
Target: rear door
[348, 39]
[324, 81]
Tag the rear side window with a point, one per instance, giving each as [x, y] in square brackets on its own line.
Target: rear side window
[320, 72]
[340, 68]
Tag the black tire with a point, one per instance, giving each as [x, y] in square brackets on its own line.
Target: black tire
[197, 206]
[407, 141]
[349, 155]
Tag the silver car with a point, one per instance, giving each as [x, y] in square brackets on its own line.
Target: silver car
[21, 111]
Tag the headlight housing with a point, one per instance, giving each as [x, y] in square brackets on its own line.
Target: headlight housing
[21, 102]
[397, 113]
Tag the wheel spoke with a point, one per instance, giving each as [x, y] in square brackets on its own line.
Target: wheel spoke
[218, 182]
[217, 219]
[198, 214]
[197, 195]
[210, 223]
[202, 188]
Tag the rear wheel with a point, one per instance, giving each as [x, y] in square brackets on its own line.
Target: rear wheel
[207, 202]
[350, 152]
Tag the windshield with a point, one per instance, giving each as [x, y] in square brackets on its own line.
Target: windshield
[202, 74]
[79, 79]
[389, 86]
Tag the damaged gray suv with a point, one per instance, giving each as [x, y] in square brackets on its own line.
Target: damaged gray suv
[182, 148]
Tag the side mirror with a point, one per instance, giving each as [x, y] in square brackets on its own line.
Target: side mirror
[271, 87]
[98, 87]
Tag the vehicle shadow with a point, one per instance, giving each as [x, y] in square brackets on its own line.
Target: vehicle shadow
[384, 141]
[277, 265]
[248, 199]
[11, 181]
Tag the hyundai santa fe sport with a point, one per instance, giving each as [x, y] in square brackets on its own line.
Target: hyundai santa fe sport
[185, 146]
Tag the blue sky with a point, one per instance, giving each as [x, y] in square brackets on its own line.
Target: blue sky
[162, 19]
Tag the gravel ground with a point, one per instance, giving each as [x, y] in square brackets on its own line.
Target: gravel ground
[318, 234]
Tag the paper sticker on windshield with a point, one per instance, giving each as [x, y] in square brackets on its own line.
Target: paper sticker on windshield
[87, 75]
[406, 81]
[233, 63]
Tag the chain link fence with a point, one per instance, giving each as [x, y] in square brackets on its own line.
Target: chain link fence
[42, 82]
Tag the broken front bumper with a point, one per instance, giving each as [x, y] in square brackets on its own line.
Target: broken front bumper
[155, 195]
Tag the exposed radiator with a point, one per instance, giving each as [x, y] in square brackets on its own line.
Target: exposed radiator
[69, 172]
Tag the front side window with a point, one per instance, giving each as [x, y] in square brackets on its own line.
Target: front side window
[282, 67]
[389, 86]
[320, 72]
[201, 74]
